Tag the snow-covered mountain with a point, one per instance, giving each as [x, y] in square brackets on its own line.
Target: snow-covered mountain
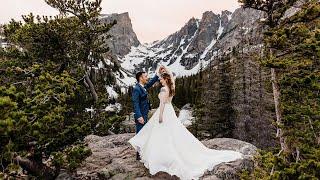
[185, 51]
[194, 44]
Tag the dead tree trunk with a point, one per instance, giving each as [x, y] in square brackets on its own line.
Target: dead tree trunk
[37, 168]
[91, 86]
[276, 96]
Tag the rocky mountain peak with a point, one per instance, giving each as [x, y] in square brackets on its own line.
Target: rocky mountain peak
[123, 35]
[225, 17]
[209, 16]
[174, 40]
[208, 28]
[226, 13]
[196, 43]
[192, 20]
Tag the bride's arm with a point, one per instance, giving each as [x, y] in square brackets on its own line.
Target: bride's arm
[163, 96]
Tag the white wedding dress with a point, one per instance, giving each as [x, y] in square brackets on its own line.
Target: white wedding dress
[171, 148]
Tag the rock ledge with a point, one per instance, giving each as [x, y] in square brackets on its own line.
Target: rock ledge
[114, 158]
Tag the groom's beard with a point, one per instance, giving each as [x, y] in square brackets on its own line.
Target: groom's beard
[143, 83]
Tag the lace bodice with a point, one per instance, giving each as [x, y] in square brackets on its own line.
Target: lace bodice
[164, 95]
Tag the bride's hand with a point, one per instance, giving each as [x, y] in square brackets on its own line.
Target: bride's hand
[162, 69]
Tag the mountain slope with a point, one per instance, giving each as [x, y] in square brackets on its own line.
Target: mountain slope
[195, 44]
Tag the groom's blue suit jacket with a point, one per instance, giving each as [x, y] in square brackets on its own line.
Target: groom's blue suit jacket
[141, 104]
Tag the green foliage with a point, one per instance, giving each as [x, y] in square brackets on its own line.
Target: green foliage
[44, 77]
[71, 157]
[112, 123]
[125, 100]
[217, 113]
[188, 90]
[274, 10]
[224, 110]
[295, 44]
[75, 155]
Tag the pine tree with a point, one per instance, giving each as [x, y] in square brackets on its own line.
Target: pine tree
[48, 78]
[224, 106]
[294, 46]
[274, 10]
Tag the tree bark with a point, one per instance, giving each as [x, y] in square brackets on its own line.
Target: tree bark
[276, 96]
[91, 87]
[36, 168]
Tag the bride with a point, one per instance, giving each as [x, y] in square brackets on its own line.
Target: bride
[164, 144]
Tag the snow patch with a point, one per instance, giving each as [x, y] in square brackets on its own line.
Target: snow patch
[176, 67]
[126, 80]
[89, 109]
[229, 17]
[220, 30]
[185, 117]
[190, 56]
[213, 42]
[4, 45]
[113, 108]
[100, 65]
[111, 92]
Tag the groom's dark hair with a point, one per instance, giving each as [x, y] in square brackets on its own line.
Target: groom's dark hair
[139, 74]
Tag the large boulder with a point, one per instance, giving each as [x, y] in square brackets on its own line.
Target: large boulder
[114, 158]
[231, 170]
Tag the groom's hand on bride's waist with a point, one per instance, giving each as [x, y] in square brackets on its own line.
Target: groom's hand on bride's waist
[141, 120]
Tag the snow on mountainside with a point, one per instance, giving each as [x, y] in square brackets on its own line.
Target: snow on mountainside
[195, 44]
[184, 52]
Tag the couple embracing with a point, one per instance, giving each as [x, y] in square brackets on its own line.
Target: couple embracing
[163, 143]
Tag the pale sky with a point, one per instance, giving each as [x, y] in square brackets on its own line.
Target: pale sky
[151, 19]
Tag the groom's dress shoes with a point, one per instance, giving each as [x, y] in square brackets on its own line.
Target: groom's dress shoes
[138, 156]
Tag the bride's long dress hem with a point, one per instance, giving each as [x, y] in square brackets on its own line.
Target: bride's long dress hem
[169, 147]
[170, 171]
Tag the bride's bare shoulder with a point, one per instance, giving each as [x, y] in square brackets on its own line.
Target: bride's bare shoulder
[164, 89]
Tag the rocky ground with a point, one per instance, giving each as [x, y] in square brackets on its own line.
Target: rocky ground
[114, 158]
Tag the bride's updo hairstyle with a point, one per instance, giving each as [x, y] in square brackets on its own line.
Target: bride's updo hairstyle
[169, 82]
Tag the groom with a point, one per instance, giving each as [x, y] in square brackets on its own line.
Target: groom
[141, 104]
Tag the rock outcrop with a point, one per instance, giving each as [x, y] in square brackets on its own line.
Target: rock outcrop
[122, 34]
[114, 158]
[197, 42]
[186, 51]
